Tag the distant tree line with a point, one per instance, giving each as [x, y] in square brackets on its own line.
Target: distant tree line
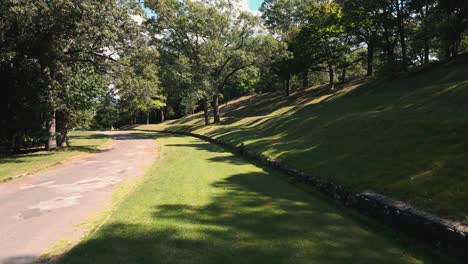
[389, 36]
[208, 50]
[67, 64]
[61, 61]
[212, 52]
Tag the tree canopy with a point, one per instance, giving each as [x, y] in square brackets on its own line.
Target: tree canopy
[68, 64]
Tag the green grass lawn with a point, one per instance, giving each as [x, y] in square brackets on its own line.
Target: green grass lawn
[201, 204]
[407, 138]
[17, 165]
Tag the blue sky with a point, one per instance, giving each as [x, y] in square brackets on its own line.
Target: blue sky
[255, 4]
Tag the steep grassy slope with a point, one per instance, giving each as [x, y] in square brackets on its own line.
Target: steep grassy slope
[407, 137]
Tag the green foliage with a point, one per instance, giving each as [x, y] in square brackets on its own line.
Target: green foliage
[324, 32]
[245, 83]
[77, 98]
[65, 48]
[137, 81]
[281, 15]
[107, 112]
[209, 45]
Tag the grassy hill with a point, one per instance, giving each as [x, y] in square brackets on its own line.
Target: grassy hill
[407, 138]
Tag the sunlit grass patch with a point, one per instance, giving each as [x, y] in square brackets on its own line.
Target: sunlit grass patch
[12, 166]
[202, 204]
[407, 138]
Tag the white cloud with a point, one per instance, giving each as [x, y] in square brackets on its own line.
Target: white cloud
[137, 18]
[242, 5]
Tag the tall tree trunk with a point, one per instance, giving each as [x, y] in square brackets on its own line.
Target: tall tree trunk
[402, 34]
[61, 120]
[305, 78]
[426, 51]
[331, 74]
[17, 142]
[51, 141]
[147, 118]
[217, 118]
[163, 117]
[343, 74]
[205, 112]
[64, 139]
[456, 46]
[284, 88]
[370, 58]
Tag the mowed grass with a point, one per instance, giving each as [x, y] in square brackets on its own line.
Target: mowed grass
[202, 204]
[407, 138]
[12, 166]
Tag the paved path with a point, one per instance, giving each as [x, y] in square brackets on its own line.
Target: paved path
[39, 210]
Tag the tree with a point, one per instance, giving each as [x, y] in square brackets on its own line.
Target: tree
[361, 20]
[213, 41]
[77, 100]
[58, 34]
[323, 36]
[107, 112]
[455, 23]
[137, 82]
[401, 17]
[281, 17]
[423, 30]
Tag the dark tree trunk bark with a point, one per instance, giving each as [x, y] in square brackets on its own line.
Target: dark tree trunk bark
[456, 46]
[217, 118]
[17, 142]
[51, 143]
[370, 59]
[402, 34]
[64, 139]
[331, 75]
[61, 120]
[163, 117]
[343, 74]
[205, 112]
[284, 88]
[305, 79]
[426, 52]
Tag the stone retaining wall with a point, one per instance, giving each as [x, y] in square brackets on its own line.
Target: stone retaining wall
[449, 236]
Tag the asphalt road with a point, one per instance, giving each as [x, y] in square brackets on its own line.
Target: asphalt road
[38, 211]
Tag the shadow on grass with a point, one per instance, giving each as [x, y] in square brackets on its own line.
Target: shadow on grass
[20, 158]
[251, 218]
[406, 138]
[89, 136]
[250, 223]
[30, 154]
